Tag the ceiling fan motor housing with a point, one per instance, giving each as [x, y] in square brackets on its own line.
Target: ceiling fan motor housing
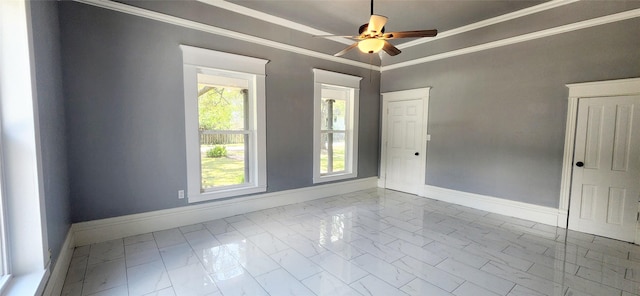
[364, 28]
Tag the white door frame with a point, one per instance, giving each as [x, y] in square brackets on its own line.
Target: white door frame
[404, 95]
[611, 88]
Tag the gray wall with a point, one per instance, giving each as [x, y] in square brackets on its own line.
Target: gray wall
[497, 117]
[125, 115]
[46, 44]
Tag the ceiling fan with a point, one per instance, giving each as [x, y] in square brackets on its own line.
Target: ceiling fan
[372, 37]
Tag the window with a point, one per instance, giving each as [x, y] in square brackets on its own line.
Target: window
[224, 121]
[335, 154]
[4, 264]
[24, 254]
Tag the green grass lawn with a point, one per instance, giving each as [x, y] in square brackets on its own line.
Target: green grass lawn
[223, 171]
[338, 159]
[229, 170]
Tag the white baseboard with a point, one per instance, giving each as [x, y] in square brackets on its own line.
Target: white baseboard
[59, 273]
[119, 227]
[536, 213]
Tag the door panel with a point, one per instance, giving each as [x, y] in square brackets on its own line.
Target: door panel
[622, 138]
[606, 190]
[404, 141]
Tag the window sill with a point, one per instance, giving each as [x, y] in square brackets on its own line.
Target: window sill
[213, 195]
[336, 177]
[28, 284]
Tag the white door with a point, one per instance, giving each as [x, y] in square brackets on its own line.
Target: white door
[605, 186]
[404, 152]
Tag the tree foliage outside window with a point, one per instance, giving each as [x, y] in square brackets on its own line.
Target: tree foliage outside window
[222, 125]
[220, 108]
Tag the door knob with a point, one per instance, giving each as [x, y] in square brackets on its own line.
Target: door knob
[417, 153]
[579, 164]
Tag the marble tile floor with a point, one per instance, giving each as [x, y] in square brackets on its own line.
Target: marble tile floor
[372, 242]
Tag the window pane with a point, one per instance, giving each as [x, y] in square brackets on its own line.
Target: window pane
[221, 103]
[223, 107]
[332, 153]
[333, 114]
[223, 160]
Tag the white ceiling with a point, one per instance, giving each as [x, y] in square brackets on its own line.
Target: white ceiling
[464, 26]
[345, 16]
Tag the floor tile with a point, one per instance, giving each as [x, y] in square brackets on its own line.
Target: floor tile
[170, 237]
[281, 282]
[405, 248]
[268, 242]
[428, 273]
[104, 276]
[498, 256]
[191, 228]
[254, 260]
[106, 251]
[344, 270]
[140, 253]
[325, 284]
[199, 237]
[407, 236]
[459, 254]
[72, 289]
[117, 291]
[177, 256]
[219, 226]
[192, 280]
[296, 264]
[218, 258]
[138, 238]
[370, 242]
[480, 278]
[469, 289]
[393, 275]
[420, 287]
[77, 270]
[373, 286]
[522, 291]
[146, 278]
[377, 249]
[240, 284]
[520, 277]
[164, 292]
[81, 251]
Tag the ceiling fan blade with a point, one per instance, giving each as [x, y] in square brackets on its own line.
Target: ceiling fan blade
[390, 49]
[411, 34]
[342, 52]
[376, 23]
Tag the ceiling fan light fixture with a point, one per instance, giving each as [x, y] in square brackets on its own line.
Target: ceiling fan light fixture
[372, 45]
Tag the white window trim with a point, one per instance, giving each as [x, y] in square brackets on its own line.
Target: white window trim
[342, 80]
[26, 249]
[198, 58]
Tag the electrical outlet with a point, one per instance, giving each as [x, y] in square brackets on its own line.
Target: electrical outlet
[180, 194]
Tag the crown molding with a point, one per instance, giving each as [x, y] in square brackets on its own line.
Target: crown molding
[521, 38]
[488, 22]
[161, 17]
[124, 8]
[306, 29]
[273, 19]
